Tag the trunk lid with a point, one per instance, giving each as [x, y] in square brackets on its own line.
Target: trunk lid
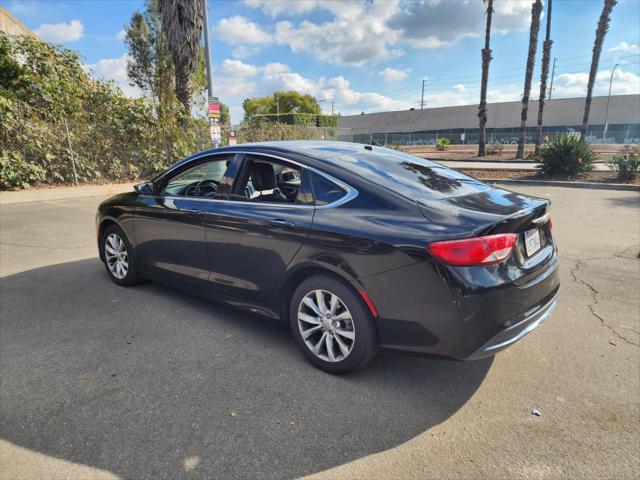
[493, 211]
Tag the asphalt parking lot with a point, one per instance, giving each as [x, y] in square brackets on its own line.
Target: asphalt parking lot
[100, 381]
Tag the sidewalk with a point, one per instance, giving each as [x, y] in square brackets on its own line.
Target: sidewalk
[476, 165]
[59, 193]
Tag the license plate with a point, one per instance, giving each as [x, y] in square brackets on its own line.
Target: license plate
[532, 241]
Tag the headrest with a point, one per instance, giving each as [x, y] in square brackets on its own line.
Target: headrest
[263, 176]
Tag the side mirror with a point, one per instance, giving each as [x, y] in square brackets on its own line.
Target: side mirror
[144, 188]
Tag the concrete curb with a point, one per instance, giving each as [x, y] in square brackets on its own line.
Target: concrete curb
[62, 193]
[475, 160]
[560, 183]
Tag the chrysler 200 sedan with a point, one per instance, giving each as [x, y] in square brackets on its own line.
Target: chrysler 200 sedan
[357, 247]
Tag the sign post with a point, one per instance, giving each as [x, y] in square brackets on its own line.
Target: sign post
[214, 121]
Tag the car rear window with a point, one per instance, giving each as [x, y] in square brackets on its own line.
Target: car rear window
[409, 175]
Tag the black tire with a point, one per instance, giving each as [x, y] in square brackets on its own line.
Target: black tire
[365, 344]
[132, 276]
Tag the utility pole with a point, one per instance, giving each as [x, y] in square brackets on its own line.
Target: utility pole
[606, 115]
[422, 97]
[553, 73]
[207, 54]
[277, 107]
[332, 102]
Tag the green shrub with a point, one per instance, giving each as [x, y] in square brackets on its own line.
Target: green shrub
[627, 163]
[494, 148]
[566, 155]
[442, 143]
[113, 137]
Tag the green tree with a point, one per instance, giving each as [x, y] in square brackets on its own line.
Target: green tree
[149, 66]
[486, 59]
[182, 26]
[546, 57]
[601, 31]
[282, 104]
[536, 10]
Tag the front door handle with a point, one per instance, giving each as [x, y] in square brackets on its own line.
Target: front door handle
[279, 222]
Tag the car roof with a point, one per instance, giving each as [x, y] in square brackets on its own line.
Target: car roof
[331, 153]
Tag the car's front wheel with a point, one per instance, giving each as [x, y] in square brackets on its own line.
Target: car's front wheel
[119, 258]
[331, 325]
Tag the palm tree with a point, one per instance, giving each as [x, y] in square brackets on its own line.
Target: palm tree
[536, 10]
[486, 59]
[603, 27]
[546, 56]
[182, 25]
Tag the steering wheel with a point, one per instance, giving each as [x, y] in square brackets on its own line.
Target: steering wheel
[203, 188]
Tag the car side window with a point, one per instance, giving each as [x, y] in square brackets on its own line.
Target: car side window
[202, 180]
[265, 180]
[325, 191]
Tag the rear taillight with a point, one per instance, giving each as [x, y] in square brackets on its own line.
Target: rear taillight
[474, 251]
[549, 224]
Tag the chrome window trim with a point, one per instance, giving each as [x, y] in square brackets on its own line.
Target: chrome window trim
[351, 192]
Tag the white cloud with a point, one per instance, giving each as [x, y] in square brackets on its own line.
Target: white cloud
[236, 68]
[236, 80]
[274, 8]
[433, 24]
[121, 35]
[114, 69]
[61, 32]
[575, 84]
[238, 30]
[357, 34]
[243, 52]
[625, 48]
[393, 75]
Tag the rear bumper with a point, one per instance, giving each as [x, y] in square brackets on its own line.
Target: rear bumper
[518, 329]
[422, 310]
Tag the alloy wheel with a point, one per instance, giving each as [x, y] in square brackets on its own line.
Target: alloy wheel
[115, 252]
[326, 325]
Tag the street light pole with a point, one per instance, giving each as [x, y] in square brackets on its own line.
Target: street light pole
[606, 115]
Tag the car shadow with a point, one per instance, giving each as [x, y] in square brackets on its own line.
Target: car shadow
[148, 382]
[626, 201]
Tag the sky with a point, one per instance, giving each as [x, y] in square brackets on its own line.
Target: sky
[363, 55]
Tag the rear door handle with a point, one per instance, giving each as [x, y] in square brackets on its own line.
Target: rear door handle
[279, 222]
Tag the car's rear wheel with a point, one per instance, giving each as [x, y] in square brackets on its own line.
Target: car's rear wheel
[119, 258]
[331, 325]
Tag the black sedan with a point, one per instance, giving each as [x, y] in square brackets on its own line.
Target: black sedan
[357, 247]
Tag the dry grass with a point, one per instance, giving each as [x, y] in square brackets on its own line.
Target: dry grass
[469, 152]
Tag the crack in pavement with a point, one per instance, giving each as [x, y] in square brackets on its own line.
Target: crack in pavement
[595, 293]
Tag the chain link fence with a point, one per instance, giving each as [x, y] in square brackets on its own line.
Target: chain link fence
[70, 153]
[615, 134]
